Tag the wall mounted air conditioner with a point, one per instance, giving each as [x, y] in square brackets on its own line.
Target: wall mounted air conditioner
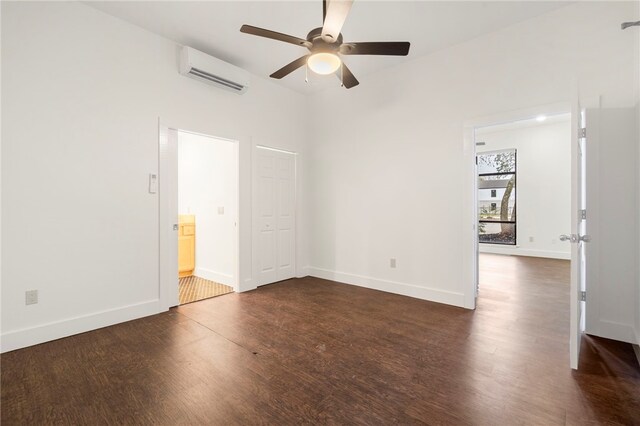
[199, 65]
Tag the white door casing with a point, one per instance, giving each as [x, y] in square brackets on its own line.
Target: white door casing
[275, 195]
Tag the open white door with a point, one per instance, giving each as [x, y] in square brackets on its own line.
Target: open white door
[276, 215]
[168, 219]
[578, 236]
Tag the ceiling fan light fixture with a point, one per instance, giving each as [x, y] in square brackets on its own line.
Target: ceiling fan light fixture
[324, 63]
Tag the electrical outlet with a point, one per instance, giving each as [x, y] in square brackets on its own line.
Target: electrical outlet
[31, 297]
[392, 262]
[530, 239]
[221, 210]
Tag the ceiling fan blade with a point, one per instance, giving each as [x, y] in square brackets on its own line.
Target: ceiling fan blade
[288, 69]
[348, 79]
[261, 32]
[336, 14]
[324, 10]
[395, 48]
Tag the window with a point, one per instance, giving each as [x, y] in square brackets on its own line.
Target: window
[497, 179]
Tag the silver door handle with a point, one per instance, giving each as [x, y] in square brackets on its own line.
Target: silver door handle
[175, 226]
[573, 238]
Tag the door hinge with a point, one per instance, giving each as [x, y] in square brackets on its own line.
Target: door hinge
[583, 296]
[583, 214]
[582, 132]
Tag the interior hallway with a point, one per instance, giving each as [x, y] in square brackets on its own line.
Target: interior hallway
[313, 351]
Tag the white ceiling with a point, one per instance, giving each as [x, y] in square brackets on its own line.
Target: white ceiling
[540, 120]
[213, 27]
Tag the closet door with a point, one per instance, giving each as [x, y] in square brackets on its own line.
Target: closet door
[276, 215]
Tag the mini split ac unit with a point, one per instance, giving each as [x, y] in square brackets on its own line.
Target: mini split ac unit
[199, 65]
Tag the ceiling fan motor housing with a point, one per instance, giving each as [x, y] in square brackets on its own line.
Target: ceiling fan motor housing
[318, 43]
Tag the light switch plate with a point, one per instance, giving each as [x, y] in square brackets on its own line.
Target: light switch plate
[220, 210]
[153, 183]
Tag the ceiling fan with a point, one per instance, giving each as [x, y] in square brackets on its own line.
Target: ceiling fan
[326, 46]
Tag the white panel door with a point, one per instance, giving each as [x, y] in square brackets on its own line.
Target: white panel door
[276, 215]
[578, 237]
[168, 219]
[285, 215]
[266, 217]
[577, 275]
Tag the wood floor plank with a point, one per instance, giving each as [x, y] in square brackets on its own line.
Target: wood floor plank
[311, 351]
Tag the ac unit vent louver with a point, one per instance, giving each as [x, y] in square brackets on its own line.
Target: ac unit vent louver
[215, 79]
[200, 66]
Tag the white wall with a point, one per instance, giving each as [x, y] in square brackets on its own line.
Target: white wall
[543, 185]
[81, 96]
[207, 181]
[611, 311]
[388, 180]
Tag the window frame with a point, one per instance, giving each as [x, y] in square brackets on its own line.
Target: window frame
[515, 197]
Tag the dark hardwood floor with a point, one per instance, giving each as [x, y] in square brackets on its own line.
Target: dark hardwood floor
[310, 351]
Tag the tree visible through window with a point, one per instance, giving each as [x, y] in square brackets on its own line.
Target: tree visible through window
[497, 197]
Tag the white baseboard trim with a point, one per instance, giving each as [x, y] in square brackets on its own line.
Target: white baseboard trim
[616, 331]
[30, 336]
[425, 293]
[518, 251]
[210, 275]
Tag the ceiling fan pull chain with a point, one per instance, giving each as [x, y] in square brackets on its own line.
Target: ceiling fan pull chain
[342, 75]
[306, 73]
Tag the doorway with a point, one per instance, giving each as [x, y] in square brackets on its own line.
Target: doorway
[207, 216]
[519, 230]
[198, 216]
[523, 206]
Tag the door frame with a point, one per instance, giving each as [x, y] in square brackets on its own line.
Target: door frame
[470, 251]
[255, 217]
[168, 213]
